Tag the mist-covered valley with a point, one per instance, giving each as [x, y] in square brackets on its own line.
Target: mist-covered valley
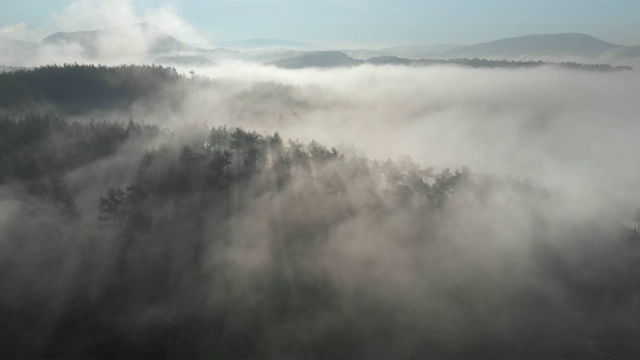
[258, 205]
[376, 211]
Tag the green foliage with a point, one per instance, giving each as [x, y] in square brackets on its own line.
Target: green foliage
[237, 244]
[76, 89]
[40, 145]
[113, 206]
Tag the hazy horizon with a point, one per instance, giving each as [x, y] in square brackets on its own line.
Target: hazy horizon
[161, 201]
[334, 24]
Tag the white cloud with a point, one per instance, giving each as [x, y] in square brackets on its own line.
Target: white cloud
[97, 14]
[167, 18]
[21, 31]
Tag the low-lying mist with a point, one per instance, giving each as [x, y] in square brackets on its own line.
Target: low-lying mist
[443, 211]
[571, 129]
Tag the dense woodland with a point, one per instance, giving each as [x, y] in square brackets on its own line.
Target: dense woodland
[91, 88]
[86, 87]
[125, 239]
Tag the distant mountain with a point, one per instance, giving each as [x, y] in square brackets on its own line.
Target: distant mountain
[13, 51]
[484, 63]
[629, 51]
[95, 43]
[321, 59]
[389, 60]
[266, 44]
[332, 59]
[16, 45]
[362, 54]
[579, 45]
[418, 51]
[145, 41]
[405, 51]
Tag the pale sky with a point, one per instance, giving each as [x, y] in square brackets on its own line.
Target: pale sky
[356, 23]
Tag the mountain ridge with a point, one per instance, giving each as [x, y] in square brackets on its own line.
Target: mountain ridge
[159, 41]
[259, 43]
[143, 39]
[562, 44]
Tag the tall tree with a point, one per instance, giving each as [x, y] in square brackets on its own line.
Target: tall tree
[112, 206]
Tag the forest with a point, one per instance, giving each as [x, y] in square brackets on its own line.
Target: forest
[98, 87]
[131, 239]
[87, 87]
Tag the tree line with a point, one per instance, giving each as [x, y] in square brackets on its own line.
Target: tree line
[221, 241]
[494, 63]
[79, 88]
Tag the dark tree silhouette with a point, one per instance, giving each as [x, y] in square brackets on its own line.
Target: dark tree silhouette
[113, 206]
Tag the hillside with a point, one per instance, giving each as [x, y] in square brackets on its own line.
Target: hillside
[487, 63]
[321, 59]
[146, 41]
[419, 51]
[251, 243]
[96, 43]
[266, 44]
[537, 45]
[16, 45]
[76, 89]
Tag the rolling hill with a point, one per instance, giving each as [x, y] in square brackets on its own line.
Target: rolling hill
[266, 44]
[146, 41]
[150, 38]
[319, 59]
[570, 44]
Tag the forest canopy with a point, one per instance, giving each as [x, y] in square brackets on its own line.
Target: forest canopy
[75, 89]
[217, 241]
[128, 238]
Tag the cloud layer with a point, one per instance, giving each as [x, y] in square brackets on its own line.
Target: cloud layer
[571, 129]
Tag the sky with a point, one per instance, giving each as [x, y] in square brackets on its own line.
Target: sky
[353, 23]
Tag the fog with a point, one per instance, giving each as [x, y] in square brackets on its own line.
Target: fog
[521, 253]
[570, 129]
